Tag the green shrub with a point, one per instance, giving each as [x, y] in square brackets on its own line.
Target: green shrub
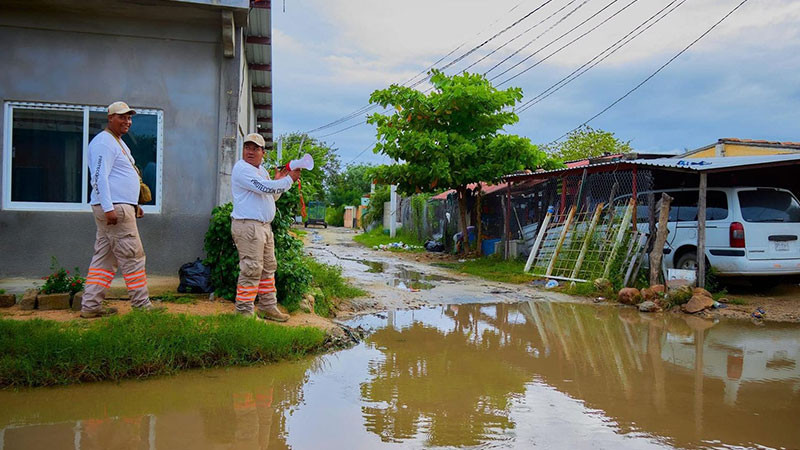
[374, 212]
[60, 282]
[334, 216]
[292, 278]
[140, 344]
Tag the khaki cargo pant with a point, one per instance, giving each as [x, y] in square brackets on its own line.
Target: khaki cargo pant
[257, 265]
[116, 246]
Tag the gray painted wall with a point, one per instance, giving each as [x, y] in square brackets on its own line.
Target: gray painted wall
[168, 61]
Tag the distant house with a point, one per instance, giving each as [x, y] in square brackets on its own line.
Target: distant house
[743, 147]
[197, 71]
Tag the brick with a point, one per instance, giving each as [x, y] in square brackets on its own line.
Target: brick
[7, 300]
[28, 301]
[53, 301]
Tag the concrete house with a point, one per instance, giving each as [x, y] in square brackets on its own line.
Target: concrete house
[197, 71]
[743, 147]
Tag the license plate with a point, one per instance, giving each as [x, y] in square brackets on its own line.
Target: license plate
[782, 246]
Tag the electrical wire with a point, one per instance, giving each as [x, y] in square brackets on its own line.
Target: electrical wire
[520, 35]
[364, 109]
[652, 74]
[563, 46]
[597, 59]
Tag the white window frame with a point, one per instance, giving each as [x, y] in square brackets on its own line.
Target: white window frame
[83, 205]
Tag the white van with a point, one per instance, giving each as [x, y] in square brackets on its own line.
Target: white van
[749, 231]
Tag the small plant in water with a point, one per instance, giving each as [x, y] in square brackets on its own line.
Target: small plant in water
[59, 281]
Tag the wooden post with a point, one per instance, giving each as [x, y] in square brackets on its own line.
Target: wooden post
[635, 196]
[579, 195]
[701, 231]
[626, 220]
[661, 238]
[539, 238]
[595, 218]
[567, 224]
[507, 221]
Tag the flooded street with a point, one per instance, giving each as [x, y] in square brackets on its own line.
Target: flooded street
[532, 374]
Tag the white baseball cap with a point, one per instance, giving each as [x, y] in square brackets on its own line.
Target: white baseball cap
[120, 108]
[256, 139]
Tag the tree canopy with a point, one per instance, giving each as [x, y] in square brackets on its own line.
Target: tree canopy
[348, 186]
[586, 142]
[452, 136]
[326, 162]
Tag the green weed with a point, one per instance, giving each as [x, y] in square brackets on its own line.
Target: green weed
[493, 268]
[141, 344]
[377, 237]
[329, 286]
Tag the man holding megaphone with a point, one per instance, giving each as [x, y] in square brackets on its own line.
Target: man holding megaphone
[254, 195]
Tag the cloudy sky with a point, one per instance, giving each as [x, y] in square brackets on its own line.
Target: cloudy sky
[741, 80]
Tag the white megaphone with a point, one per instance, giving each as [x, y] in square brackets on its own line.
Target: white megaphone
[306, 162]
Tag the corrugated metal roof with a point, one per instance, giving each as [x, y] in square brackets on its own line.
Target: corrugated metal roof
[715, 163]
[677, 164]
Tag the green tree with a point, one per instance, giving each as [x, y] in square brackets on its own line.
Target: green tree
[586, 142]
[348, 186]
[450, 137]
[326, 162]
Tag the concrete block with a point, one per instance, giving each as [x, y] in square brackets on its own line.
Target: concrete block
[77, 301]
[53, 301]
[7, 300]
[28, 301]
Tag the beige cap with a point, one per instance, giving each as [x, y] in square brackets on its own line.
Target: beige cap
[256, 139]
[120, 108]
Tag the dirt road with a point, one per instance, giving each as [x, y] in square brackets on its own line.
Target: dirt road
[407, 280]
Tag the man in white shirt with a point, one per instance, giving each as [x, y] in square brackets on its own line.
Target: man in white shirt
[114, 200]
[254, 195]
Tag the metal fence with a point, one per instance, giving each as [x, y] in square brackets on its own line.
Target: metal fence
[595, 227]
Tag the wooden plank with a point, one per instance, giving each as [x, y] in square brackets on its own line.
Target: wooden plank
[539, 238]
[661, 238]
[701, 231]
[626, 220]
[585, 247]
[633, 265]
[567, 224]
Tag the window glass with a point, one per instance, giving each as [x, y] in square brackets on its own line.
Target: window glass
[716, 205]
[46, 155]
[142, 139]
[769, 206]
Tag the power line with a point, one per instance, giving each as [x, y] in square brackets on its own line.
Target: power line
[523, 33]
[364, 109]
[565, 45]
[653, 74]
[595, 61]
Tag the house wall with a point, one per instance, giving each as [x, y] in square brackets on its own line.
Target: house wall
[155, 57]
[741, 150]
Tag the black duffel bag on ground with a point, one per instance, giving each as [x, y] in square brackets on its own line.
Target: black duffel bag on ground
[195, 278]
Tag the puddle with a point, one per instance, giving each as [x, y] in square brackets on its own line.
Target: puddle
[491, 376]
[411, 279]
[374, 266]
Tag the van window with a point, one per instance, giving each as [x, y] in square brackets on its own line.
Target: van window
[684, 207]
[764, 205]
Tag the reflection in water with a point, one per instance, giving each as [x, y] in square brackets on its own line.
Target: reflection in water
[533, 374]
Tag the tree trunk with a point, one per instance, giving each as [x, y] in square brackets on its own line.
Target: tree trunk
[462, 211]
[480, 225]
[661, 238]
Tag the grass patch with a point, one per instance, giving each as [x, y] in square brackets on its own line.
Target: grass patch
[736, 301]
[178, 299]
[329, 286]
[141, 344]
[376, 237]
[492, 268]
[298, 232]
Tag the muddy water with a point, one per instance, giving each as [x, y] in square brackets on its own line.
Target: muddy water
[507, 375]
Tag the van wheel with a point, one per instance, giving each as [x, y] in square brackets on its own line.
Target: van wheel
[687, 261]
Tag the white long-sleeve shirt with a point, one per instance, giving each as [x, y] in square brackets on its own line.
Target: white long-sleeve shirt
[254, 193]
[113, 178]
